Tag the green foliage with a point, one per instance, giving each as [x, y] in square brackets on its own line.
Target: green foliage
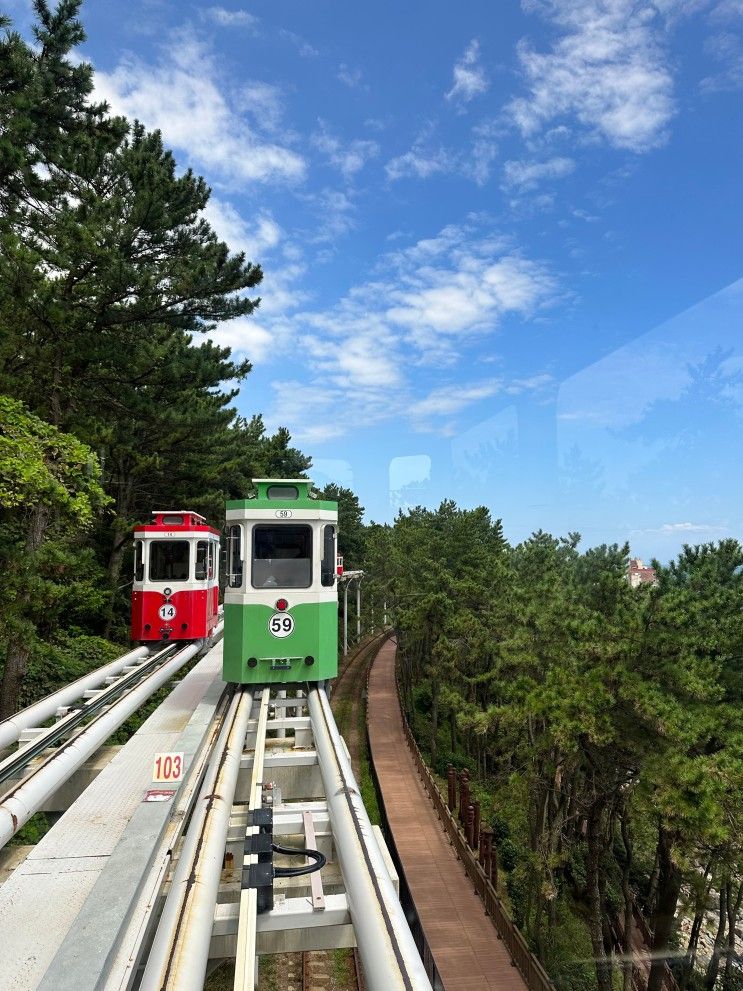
[588, 713]
[41, 466]
[64, 658]
[109, 278]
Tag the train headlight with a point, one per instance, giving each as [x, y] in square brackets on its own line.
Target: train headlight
[282, 605]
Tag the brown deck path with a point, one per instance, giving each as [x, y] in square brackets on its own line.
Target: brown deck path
[462, 940]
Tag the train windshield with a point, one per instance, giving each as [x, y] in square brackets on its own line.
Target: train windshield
[169, 560]
[282, 556]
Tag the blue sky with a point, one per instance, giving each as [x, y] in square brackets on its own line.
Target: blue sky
[501, 242]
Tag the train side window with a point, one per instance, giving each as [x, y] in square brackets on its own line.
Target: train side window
[202, 554]
[138, 560]
[169, 560]
[234, 558]
[327, 569]
[282, 556]
[210, 567]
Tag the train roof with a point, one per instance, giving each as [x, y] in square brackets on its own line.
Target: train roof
[176, 521]
[283, 493]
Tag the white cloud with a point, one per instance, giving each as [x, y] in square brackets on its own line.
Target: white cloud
[231, 18]
[525, 176]
[607, 69]
[335, 211]
[483, 153]
[245, 336]
[349, 77]
[448, 400]
[427, 304]
[423, 160]
[305, 49]
[418, 164]
[440, 303]
[453, 398]
[469, 76]
[264, 102]
[255, 239]
[184, 97]
[349, 157]
[726, 48]
[676, 529]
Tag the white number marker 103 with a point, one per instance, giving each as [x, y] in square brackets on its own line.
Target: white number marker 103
[167, 767]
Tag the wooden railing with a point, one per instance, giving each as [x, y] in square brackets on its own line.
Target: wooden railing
[523, 959]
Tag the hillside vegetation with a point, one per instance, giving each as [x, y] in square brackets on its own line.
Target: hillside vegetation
[600, 723]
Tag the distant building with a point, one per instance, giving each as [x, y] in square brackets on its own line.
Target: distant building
[638, 574]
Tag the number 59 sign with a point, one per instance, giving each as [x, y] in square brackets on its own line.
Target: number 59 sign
[168, 767]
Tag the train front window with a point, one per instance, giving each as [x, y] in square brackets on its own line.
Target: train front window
[169, 560]
[327, 569]
[138, 560]
[234, 558]
[201, 560]
[282, 556]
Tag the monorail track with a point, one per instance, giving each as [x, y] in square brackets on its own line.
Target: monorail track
[78, 733]
[173, 901]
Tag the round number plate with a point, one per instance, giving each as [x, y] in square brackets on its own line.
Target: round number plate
[283, 514]
[281, 624]
[167, 611]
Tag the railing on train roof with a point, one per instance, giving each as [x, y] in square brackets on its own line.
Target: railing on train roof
[523, 959]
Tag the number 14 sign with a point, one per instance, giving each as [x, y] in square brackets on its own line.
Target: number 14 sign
[167, 767]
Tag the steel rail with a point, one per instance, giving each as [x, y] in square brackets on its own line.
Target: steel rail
[39, 712]
[126, 956]
[388, 952]
[179, 955]
[26, 797]
[12, 765]
[245, 962]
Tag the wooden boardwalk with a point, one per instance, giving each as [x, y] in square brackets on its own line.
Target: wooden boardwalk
[461, 938]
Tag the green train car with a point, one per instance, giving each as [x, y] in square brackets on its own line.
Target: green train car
[281, 599]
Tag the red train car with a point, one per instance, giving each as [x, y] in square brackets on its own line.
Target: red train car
[176, 578]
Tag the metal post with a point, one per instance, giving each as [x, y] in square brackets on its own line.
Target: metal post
[358, 610]
[451, 776]
[487, 849]
[345, 618]
[281, 733]
[464, 795]
[475, 824]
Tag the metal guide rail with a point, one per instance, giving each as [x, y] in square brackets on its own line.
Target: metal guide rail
[264, 847]
[80, 729]
[278, 856]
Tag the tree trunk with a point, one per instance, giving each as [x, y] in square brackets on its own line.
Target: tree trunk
[434, 717]
[593, 885]
[116, 556]
[714, 963]
[19, 645]
[690, 959]
[627, 954]
[669, 885]
[733, 908]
